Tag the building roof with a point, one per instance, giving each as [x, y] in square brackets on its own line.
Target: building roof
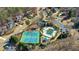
[30, 37]
[62, 26]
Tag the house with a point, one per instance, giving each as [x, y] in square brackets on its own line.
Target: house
[10, 24]
[30, 12]
[5, 28]
[1, 31]
[18, 17]
[60, 26]
[41, 23]
[31, 37]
